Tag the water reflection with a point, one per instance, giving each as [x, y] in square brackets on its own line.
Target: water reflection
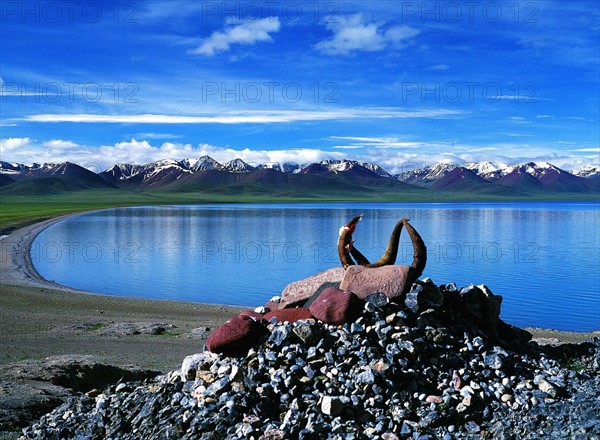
[233, 254]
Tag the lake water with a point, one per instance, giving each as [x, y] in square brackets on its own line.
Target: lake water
[543, 258]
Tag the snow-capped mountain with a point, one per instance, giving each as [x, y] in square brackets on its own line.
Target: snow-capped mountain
[487, 170]
[151, 174]
[205, 163]
[527, 177]
[427, 176]
[164, 170]
[376, 169]
[238, 166]
[588, 172]
[70, 174]
[552, 178]
[45, 170]
[347, 165]
[460, 179]
[531, 176]
[285, 167]
[291, 167]
[15, 168]
[122, 171]
[536, 169]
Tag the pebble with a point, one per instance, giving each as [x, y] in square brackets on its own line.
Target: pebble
[434, 399]
[547, 388]
[393, 373]
[506, 398]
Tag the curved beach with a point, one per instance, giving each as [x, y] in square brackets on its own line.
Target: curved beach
[39, 318]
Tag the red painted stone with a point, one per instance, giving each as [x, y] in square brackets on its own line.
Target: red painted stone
[236, 336]
[335, 306]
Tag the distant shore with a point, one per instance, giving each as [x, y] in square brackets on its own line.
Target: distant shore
[39, 318]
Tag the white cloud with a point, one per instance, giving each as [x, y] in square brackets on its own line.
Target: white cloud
[11, 145]
[99, 158]
[587, 150]
[253, 117]
[59, 144]
[158, 135]
[438, 67]
[386, 142]
[351, 33]
[394, 160]
[246, 33]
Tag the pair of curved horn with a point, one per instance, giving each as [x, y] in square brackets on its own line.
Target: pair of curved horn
[346, 249]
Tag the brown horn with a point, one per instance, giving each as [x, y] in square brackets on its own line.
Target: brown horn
[391, 252]
[361, 260]
[420, 254]
[345, 241]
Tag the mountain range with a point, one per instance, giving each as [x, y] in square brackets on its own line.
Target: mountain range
[207, 174]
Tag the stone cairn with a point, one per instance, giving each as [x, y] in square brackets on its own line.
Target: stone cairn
[350, 354]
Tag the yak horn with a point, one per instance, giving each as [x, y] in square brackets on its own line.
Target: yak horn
[345, 241]
[361, 260]
[420, 250]
[391, 252]
[346, 248]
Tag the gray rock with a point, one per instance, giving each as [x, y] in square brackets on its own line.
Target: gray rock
[547, 388]
[191, 363]
[483, 307]
[377, 377]
[377, 299]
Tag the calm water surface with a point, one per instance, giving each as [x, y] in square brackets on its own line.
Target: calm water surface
[543, 258]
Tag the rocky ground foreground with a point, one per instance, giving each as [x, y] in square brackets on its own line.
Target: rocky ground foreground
[438, 365]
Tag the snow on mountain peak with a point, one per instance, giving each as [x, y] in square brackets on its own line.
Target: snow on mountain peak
[587, 171]
[238, 166]
[206, 163]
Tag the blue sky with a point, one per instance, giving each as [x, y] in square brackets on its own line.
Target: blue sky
[386, 82]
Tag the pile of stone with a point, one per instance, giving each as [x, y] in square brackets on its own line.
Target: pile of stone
[438, 364]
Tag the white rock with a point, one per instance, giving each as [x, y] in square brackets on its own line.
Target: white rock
[331, 406]
[190, 364]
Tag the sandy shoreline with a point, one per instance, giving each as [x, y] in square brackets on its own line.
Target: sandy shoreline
[39, 318]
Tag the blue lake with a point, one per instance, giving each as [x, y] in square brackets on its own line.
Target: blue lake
[543, 258]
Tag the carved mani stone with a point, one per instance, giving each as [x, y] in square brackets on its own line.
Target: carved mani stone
[391, 280]
[300, 291]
